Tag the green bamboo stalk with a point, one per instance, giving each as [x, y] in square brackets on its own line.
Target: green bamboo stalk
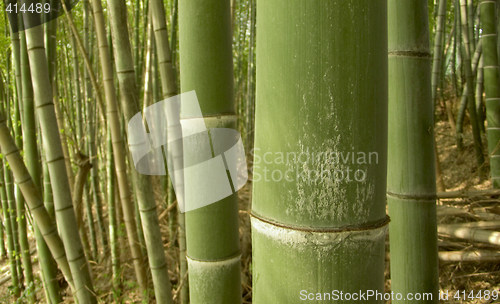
[142, 183]
[118, 150]
[212, 235]
[48, 265]
[464, 101]
[142, 44]
[471, 13]
[91, 116]
[11, 201]
[55, 158]
[471, 108]
[183, 264]
[491, 87]
[173, 32]
[438, 50]
[479, 95]
[411, 184]
[3, 251]
[21, 211]
[169, 89]
[148, 93]
[20, 238]
[137, 18]
[251, 83]
[11, 251]
[168, 83]
[87, 61]
[78, 95]
[312, 231]
[42, 218]
[113, 226]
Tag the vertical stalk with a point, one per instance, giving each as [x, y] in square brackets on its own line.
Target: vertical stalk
[142, 183]
[471, 108]
[411, 184]
[319, 225]
[212, 232]
[11, 250]
[118, 150]
[113, 226]
[54, 153]
[491, 87]
[251, 83]
[479, 94]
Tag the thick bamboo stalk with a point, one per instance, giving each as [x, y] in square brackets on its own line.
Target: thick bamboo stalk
[411, 184]
[118, 149]
[212, 235]
[320, 227]
[491, 87]
[55, 158]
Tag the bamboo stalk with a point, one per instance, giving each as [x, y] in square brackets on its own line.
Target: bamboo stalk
[316, 92]
[468, 193]
[411, 183]
[55, 158]
[142, 183]
[471, 234]
[491, 87]
[118, 149]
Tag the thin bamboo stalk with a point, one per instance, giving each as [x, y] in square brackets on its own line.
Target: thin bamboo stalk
[11, 251]
[143, 184]
[118, 150]
[478, 148]
[113, 223]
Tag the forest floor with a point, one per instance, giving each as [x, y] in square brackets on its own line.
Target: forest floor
[459, 172]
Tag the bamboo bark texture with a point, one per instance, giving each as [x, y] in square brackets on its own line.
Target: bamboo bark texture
[319, 223]
[411, 184]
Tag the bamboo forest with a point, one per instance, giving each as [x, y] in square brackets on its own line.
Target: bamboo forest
[249, 151]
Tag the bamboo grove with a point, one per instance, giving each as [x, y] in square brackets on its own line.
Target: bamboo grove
[316, 79]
